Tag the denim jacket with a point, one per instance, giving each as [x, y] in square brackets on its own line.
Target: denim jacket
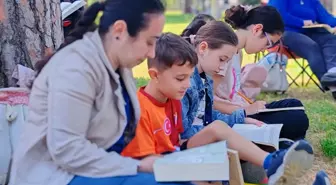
[191, 102]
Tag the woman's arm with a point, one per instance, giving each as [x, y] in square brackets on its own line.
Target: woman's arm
[289, 19]
[323, 16]
[72, 92]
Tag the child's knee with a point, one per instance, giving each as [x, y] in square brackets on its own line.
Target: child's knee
[217, 128]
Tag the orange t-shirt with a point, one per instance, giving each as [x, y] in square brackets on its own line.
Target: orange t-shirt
[158, 129]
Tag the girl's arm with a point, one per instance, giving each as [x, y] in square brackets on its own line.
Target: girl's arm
[225, 107]
[72, 92]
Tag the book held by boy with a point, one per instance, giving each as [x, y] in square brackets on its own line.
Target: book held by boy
[205, 163]
[268, 134]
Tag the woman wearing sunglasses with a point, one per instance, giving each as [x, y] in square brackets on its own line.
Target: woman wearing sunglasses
[257, 29]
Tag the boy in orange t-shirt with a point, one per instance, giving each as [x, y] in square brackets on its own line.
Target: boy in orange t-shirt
[160, 125]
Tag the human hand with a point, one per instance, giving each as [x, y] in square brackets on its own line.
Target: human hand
[146, 164]
[255, 107]
[334, 30]
[254, 122]
[308, 22]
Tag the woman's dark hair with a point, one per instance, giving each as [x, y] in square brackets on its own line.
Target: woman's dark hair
[134, 12]
[240, 18]
[196, 24]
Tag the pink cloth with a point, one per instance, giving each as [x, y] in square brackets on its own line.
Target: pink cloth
[14, 97]
[252, 78]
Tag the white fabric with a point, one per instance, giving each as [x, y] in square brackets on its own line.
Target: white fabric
[332, 70]
[200, 111]
[76, 111]
[12, 118]
[24, 75]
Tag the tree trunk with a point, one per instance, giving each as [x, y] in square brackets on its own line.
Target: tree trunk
[29, 30]
[187, 6]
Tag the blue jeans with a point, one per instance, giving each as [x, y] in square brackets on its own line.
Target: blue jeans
[140, 178]
[316, 45]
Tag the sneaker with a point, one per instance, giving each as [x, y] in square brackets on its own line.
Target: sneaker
[287, 165]
[285, 143]
[321, 179]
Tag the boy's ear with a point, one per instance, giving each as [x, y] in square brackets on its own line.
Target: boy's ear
[153, 73]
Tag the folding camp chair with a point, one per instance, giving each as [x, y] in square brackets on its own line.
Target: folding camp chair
[303, 66]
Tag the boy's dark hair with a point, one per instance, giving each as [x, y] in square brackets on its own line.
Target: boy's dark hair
[172, 49]
[134, 12]
[198, 21]
[240, 18]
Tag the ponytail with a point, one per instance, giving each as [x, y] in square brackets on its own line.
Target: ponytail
[196, 24]
[85, 24]
[191, 30]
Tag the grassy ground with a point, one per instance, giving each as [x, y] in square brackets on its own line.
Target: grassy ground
[320, 107]
[321, 110]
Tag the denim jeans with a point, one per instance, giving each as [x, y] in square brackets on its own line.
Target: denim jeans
[316, 45]
[140, 178]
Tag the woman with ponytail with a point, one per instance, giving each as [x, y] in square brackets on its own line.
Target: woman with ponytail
[83, 104]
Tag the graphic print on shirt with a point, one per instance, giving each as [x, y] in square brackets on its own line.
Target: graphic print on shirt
[167, 127]
[175, 118]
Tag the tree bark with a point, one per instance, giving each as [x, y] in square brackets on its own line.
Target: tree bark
[29, 30]
[187, 6]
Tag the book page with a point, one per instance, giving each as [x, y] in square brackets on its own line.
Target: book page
[327, 27]
[280, 109]
[211, 153]
[268, 134]
[205, 163]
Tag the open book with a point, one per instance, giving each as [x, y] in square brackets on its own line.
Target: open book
[326, 26]
[205, 163]
[268, 134]
[280, 109]
[69, 8]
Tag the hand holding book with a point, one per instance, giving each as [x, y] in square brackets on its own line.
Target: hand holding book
[254, 122]
[325, 26]
[255, 107]
[147, 163]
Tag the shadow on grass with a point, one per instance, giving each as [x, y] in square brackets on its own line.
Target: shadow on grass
[178, 18]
